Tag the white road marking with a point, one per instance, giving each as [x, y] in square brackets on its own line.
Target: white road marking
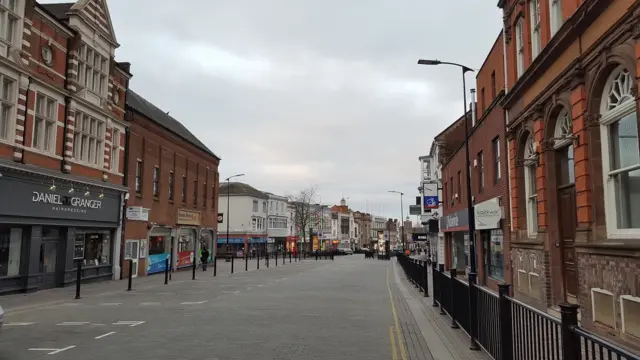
[166, 293]
[72, 304]
[110, 304]
[51, 350]
[225, 286]
[73, 323]
[149, 303]
[193, 302]
[19, 324]
[130, 323]
[231, 292]
[105, 335]
[249, 288]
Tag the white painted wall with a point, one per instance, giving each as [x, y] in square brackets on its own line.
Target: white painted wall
[278, 207]
[241, 214]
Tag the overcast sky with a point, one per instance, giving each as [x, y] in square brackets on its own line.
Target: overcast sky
[300, 92]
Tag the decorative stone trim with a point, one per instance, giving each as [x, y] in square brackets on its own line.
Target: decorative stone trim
[546, 145]
[592, 120]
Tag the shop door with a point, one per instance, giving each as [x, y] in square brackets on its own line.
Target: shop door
[567, 218]
[48, 263]
[132, 252]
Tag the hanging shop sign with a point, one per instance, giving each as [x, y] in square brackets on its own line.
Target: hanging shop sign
[137, 213]
[188, 217]
[415, 210]
[487, 215]
[452, 222]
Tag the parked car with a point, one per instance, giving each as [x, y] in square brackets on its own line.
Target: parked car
[348, 251]
[1, 317]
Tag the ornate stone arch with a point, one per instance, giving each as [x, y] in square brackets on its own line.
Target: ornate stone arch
[558, 103]
[621, 55]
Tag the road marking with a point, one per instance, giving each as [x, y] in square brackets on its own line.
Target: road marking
[73, 323]
[105, 335]
[249, 288]
[51, 350]
[394, 352]
[72, 304]
[19, 324]
[110, 304]
[403, 351]
[231, 292]
[193, 302]
[166, 293]
[130, 323]
[149, 303]
[226, 286]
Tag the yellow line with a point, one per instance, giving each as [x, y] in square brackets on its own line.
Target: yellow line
[403, 352]
[394, 351]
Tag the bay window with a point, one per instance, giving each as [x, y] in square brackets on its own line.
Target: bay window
[115, 151]
[88, 138]
[536, 35]
[93, 70]
[531, 189]
[621, 155]
[44, 128]
[7, 104]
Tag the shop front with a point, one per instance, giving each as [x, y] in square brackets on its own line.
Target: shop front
[48, 224]
[488, 222]
[159, 249]
[292, 242]
[207, 241]
[455, 227]
[187, 244]
[233, 245]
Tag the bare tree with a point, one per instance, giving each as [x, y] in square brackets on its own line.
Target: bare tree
[303, 209]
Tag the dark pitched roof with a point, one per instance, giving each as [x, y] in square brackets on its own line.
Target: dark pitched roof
[153, 113]
[241, 189]
[59, 11]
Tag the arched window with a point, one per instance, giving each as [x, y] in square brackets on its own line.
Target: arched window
[621, 156]
[563, 144]
[531, 190]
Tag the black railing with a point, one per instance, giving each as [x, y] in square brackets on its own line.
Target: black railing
[508, 329]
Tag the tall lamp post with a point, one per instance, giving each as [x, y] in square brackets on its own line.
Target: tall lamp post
[472, 249]
[401, 216]
[228, 180]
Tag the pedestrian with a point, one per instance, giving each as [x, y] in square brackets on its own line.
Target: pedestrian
[204, 257]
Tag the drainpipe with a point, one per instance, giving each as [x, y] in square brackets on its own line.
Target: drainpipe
[506, 122]
[26, 114]
[474, 111]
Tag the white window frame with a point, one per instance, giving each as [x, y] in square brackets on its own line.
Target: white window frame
[628, 298]
[555, 16]
[82, 133]
[97, 71]
[536, 33]
[8, 100]
[520, 47]
[10, 16]
[39, 138]
[530, 168]
[608, 117]
[116, 147]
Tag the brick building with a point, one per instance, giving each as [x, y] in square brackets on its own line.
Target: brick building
[61, 129]
[489, 189]
[572, 122]
[173, 185]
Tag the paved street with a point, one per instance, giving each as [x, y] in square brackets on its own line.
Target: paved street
[349, 308]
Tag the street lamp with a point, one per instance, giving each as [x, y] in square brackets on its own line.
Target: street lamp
[401, 216]
[228, 180]
[472, 249]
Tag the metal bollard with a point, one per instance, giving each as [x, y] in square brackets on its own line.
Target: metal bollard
[78, 279]
[267, 256]
[130, 274]
[246, 262]
[166, 271]
[317, 255]
[257, 260]
[195, 264]
[215, 265]
[276, 258]
[232, 258]
[289, 257]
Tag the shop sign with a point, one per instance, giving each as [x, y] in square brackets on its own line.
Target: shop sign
[420, 237]
[137, 213]
[23, 198]
[487, 215]
[78, 249]
[458, 219]
[188, 217]
[415, 210]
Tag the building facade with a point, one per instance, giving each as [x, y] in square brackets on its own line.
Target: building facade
[247, 216]
[173, 191]
[431, 192]
[61, 129]
[277, 221]
[571, 106]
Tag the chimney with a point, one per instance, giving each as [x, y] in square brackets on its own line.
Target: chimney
[473, 108]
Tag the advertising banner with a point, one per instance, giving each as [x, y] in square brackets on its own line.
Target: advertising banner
[156, 263]
[185, 258]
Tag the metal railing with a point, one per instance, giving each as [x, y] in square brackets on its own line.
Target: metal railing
[506, 328]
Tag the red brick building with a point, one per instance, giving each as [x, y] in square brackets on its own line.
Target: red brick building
[61, 136]
[571, 107]
[489, 189]
[173, 185]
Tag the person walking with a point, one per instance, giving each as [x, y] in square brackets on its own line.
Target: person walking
[204, 257]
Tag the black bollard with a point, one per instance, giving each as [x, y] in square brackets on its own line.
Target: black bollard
[317, 255]
[246, 262]
[232, 257]
[276, 258]
[215, 265]
[166, 271]
[78, 278]
[332, 255]
[267, 259]
[130, 274]
[289, 257]
[195, 264]
[258, 259]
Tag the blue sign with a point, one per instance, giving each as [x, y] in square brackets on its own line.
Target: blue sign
[223, 240]
[257, 240]
[156, 263]
[431, 202]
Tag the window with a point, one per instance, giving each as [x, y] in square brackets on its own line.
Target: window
[619, 132]
[531, 190]
[494, 253]
[8, 20]
[564, 145]
[44, 128]
[10, 251]
[204, 195]
[480, 172]
[115, 150]
[255, 205]
[264, 206]
[555, 13]
[156, 180]
[483, 100]
[459, 186]
[493, 85]
[97, 249]
[496, 159]
[520, 47]
[195, 192]
[139, 170]
[88, 135]
[277, 223]
[171, 179]
[452, 192]
[93, 70]
[536, 35]
[7, 102]
[183, 195]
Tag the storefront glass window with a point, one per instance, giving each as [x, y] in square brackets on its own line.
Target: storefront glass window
[494, 254]
[48, 256]
[97, 248]
[186, 243]
[156, 245]
[459, 251]
[10, 249]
